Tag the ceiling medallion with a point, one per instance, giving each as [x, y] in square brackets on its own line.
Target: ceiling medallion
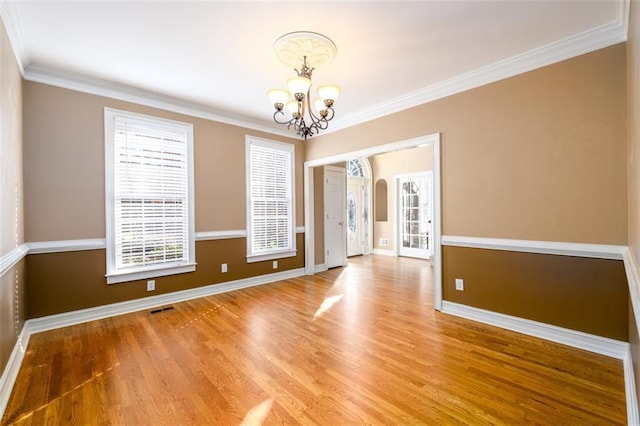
[311, 50]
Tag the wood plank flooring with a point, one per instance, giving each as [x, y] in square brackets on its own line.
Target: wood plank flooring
[354, 345]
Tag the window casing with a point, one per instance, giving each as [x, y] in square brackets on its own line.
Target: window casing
[270, 170]
[149, 196]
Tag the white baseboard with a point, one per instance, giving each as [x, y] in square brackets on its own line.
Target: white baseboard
[633, 280]
[630, 389]
[383, 252]
[320, 268]
[8, 378]
[577, 339]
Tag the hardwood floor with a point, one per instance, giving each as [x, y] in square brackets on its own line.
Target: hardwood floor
[354, 345]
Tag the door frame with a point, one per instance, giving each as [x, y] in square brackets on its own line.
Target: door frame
[309, 233]
[396, 212]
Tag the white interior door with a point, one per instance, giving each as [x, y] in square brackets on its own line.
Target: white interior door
[415, 216]
[355, 216]
[334, 217]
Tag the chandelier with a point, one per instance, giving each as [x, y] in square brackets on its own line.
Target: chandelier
[311, 50]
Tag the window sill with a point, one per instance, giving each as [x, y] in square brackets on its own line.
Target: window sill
[121, 277]
[270, 256]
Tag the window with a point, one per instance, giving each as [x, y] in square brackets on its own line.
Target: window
[354, 168]
[149, 196]
[270, 205]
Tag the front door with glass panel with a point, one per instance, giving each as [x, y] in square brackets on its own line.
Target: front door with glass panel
[355, 225]
[415, 216]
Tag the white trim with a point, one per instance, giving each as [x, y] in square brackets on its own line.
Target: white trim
[633, 280]
[12, 24]
[309, 220]
[320, 268]
[105, 311]
[40, 247]
[141, 274]
[557, 51]
[98, 87]
[598, 251]
[9, 260]
[622, 16]
[577, 339]
[630, 389]
[10, 373]
[274, 255]
[437, 226]
[221, 235]
[383, 252]
[61, 246]
[375, 150]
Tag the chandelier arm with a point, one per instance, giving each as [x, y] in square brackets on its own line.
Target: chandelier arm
[275, 117]
[330, 114]
[321, 124]
[314, 117]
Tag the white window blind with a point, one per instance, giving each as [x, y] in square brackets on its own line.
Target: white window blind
[150, 202]
[270, 199]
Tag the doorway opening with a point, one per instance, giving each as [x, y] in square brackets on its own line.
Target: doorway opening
[310, 212]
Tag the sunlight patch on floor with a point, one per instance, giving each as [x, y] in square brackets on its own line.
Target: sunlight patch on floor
[257, 415]
[327, 304]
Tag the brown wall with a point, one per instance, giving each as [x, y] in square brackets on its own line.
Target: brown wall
[12, 281]
[62, 282]
[633, 165]
[578, 293]
[12, 310]
[539, 156]
[388, 166]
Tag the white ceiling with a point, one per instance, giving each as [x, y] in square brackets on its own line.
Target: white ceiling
[216, 58]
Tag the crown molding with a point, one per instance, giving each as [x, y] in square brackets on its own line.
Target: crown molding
[122, 92]
[557, 51]
[10, 18]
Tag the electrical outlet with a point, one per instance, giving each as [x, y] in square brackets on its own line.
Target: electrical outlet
[275, 264]
[151, 285]
[384, 242]
[459, 284]
[223, 268]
